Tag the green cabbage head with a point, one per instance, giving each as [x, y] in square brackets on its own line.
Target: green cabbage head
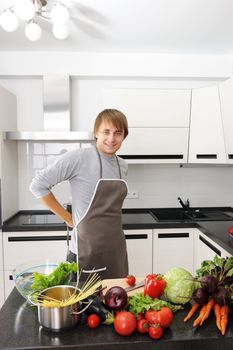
[179, 285]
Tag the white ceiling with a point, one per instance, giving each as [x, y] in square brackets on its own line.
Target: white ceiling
[150, 26]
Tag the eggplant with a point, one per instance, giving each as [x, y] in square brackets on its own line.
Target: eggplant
[98, 308]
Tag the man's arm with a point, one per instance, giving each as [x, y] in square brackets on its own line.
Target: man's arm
[52, 204]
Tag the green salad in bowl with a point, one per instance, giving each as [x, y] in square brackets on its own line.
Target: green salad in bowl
[30, 279]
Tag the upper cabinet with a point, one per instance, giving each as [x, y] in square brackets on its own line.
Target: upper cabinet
[206, 143]
[158, 108]
[158, 123]
[226, 98]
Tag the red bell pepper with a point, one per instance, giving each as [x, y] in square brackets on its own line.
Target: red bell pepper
[154, 286]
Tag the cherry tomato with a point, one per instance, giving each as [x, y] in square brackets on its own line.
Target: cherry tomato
[155, 331]
[142, 326]
[130, 279]
[230, 230]
[93, 321]
[125, 323]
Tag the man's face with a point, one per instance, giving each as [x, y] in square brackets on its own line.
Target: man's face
[109, 138]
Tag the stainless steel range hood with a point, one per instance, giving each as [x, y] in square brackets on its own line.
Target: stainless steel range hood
[56, 117]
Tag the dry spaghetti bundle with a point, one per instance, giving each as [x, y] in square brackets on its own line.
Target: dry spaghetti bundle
[89, 287]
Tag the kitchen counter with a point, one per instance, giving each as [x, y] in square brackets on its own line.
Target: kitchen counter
[132, 219]
[20, 330]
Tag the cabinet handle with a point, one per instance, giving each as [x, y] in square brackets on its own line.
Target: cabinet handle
[10, 277]
[206, 156]
[173, 235]
[216, 250]
[155, 156]
[141, 236]
[230, 156]
[37, 238]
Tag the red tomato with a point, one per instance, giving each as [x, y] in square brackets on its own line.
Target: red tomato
[142, 326]
[230, 230]
[130, 279]
[93, 321]
[155, 331]
[150, 316]
[164, 317]
[125, 323]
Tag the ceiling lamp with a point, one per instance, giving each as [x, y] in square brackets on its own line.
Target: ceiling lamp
[31, 11]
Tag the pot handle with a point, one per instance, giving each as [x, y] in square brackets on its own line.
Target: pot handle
[81, 311]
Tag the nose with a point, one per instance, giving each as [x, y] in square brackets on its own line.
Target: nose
[111, 137]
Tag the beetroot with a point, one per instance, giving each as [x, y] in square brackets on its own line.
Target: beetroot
[200, 296]
[209, 284]
[222, 296]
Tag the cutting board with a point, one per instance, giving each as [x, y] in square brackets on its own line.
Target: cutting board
[120, 282]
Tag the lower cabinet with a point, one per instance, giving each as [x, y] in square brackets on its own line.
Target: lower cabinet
[206, 249]
[173, 248]
[139, 248]
[1, 288]
[31, 247]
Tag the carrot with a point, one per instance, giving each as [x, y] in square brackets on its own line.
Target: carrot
[217, 312]
[224, 318]
[199, 318]
[191, 312]
[209, 307]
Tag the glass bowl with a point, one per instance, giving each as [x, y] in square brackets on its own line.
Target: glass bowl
[23, 275]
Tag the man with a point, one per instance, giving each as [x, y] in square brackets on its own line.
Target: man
[98, 188]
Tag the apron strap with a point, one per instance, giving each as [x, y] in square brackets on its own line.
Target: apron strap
[101, 167]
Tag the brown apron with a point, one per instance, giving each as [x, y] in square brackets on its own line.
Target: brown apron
[101, 240]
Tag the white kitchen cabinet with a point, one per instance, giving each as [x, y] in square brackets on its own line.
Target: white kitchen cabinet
[206, 144]
[31, 247]
[173, 248]
[155, 145]
[151, 107]
[2, 298]
[139, 248]
[226, 98]
[26, 247]
[206, 249]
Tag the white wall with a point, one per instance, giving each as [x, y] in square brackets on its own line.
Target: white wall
[158, 185]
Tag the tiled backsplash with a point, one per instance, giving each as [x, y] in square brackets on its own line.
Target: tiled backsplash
[158, 185]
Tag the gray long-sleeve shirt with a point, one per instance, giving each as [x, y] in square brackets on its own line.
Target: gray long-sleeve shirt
[82, 169]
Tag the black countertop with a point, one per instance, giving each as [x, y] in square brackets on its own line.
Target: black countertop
[20, 330]
[132, 219]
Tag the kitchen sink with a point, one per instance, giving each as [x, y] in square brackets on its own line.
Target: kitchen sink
[179, 214]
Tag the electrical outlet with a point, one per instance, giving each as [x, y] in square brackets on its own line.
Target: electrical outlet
[132, 195]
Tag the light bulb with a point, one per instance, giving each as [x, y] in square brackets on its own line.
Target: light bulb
[59, 14]
[33, 31]
[25, 9]
[9, 21]
[60, 31]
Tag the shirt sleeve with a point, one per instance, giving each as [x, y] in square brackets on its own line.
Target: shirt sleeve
[64, 168]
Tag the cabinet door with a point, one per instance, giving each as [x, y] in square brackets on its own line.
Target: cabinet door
[9, 283]
[151, 107]
[226, 97]
[1, 252]
[139, 248]
[205, 249]
[156, 145]
[206, 144]
[26, 247]
[172, 248]
[1, 289]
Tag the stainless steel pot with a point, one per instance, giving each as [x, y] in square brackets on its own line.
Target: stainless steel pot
[59, 318]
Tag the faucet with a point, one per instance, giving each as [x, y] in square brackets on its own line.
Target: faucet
[185, 205]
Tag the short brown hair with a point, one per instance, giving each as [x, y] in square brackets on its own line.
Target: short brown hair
[117, 118]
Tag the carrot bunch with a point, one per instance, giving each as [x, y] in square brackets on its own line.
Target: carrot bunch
[221, 314]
